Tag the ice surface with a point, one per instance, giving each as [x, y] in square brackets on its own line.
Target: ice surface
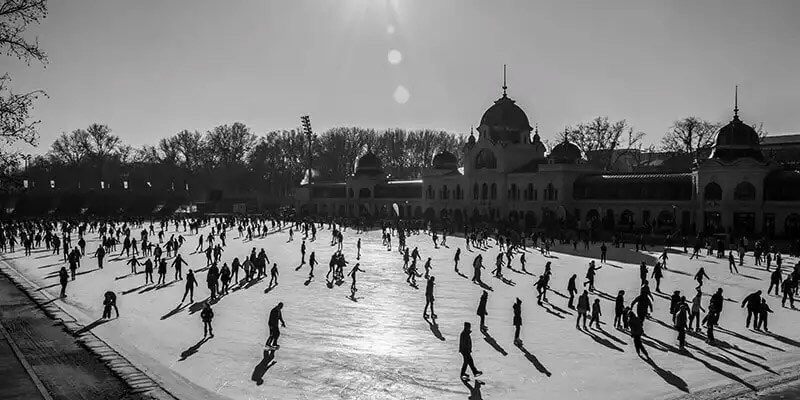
[380, 347]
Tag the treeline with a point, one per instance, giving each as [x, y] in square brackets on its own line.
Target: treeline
[276, 160]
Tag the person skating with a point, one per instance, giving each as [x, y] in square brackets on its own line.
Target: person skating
[572, 290]
[482, 309]
[732, 263]
[465, 348]
[643, 272]
[753, 303]
[456, 258]
[100, 254]
[596, 313]
[681, 322]
[212, 277]
[517, 321]
[303, 252]
[763, 313]
[191, 282]
[590, 274]
[658, 274]
[352, 274]
[273, 274]
[714, 308]
[275, 316]
[788, 288]
[775, 281]
[429, 299]
[312, 261]
[619, 309]
[701, 273]
[148, 271]
[225, 278]
[637, 330]
[477, 265]
[427, 267]
[358, 249]
[177, 265]
[206, 315]
[63, 277]
[674, 303]
[696, 308]
[643, 305]
[109, 302]
[162, 272]
[133, 262]
[583, 309]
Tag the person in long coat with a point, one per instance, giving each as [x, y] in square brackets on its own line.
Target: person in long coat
[482, 309]
[517, 320]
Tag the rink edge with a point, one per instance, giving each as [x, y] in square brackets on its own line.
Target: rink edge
[139, 382]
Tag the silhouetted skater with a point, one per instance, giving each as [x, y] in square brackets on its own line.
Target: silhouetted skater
[100, 254]
[352, 274]
[788, 288]
[358, 249]
[429, 299]
[753, 303]
[696, 308]
[674, 304]
[658, 274]
[275, 316]
[517, 321]
[619, 309]
[643, 305]
[148, 271]
[191, 282]
[312, 261]
[701, 273]
[273, 274]
[583, 308]
[456, 258]
[63, 277]
[303, 252]
[775, 281]
[482, 309]
[109, 302]
[427, 267]
[225, 278]
[207, 314]
[732, 263]
[590, 274]
[162, 271]
[133, 262]
[477, 265]
[522, 262]
[571, 290]
[596, 313]
[681, 322]
[465, 348]
[636, 333]
[177, 265]
[763, 311]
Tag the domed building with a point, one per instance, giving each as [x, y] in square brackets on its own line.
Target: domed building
[506, 175]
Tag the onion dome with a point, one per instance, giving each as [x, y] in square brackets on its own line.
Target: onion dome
[369, 164]
[537, 144]
[737, 139]
[565, 153]
[445, 160]
[505, 121]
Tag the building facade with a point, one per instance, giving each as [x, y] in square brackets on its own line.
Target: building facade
[509, 175]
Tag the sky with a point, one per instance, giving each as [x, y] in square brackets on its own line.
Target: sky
[149, 69]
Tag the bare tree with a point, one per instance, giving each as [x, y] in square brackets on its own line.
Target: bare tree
[16, 124]
[604, 140]
[687, 135]
[228, 145]
[70, 149]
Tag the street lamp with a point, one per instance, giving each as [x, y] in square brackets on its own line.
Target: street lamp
[306, 121]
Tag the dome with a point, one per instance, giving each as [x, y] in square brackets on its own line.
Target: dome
[445, 160]
[737, 140]
[369, 164]
[505, 120]
[565, 153]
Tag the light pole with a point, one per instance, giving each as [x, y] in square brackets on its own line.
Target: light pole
[306, 121]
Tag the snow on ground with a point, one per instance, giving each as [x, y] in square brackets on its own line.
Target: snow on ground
[380, 347]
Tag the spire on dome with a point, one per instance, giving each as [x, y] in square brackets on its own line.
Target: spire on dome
[736, 103]
[504, 81]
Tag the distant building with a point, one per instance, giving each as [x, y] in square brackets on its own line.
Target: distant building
[508, 175]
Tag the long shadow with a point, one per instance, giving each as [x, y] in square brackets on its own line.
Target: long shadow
[50, 265]
[197, 306]
[489, 339]
[783, 339]
[558, 293]
[462, 275]
[559, 309]
[727, 346]
[507, 281]
[602, 341]
[129, 291]
[91, 326]
[533, 360]
[605, 295]
[613, 265]
[747, 339]
[434, 328]
[177, 309]
[679, 272]
[669, 377]
[165, 285]
[750, 277]
[192, 350]
[484, 286]
[612, 337]
[552, 312]
[86, 272]
[722, 372]
[261, 369]
[474, 391]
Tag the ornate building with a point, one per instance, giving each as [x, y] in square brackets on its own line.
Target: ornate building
[509, 175]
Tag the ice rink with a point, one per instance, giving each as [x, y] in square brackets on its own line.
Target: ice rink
[378, 346]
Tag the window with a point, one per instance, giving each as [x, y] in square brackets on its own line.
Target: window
[475, 192]
[530, 191]
[712, 192]
[744, 191]
[125, 185]
[102, 185]
[25, 184]
[52, 184]
[444, 192]
[485, 159]
[494, 191]
[484, 192]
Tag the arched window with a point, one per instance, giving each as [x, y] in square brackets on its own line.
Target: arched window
[712, 192]
[444, 192]
[530, 191]
[458, 192]
[350, 192]
[429, 192]
[494, 191]
[792, 225]
[514, 191]
[475, 192]
[485, 159]
[549, 192]
[484, 192]
[744, 191]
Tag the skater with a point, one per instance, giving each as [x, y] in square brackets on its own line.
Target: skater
[636, 333]
[225, 277]
[701, 273]
[775, 281]
[596, 313]
[273, 274]
[63, 277]
[429, 299]
[275, 316]
[482, 309]
[352, 274]
[177, 264]
[674, 303]
[788, 288]
[207, 314]
[696, 308]
[358, 248]
[148, 271]
[763, 313]
[753, 303]
[109, 302]
[517, 322]
[571, 289]
[681, 322]
[100, 254]
[619, 309]
[658, 274]
[590, 274]
[732, 263]
[456, 258]
[522, 262]
[583, 308]
[133, 262]
[191, 282]
[465, 348]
